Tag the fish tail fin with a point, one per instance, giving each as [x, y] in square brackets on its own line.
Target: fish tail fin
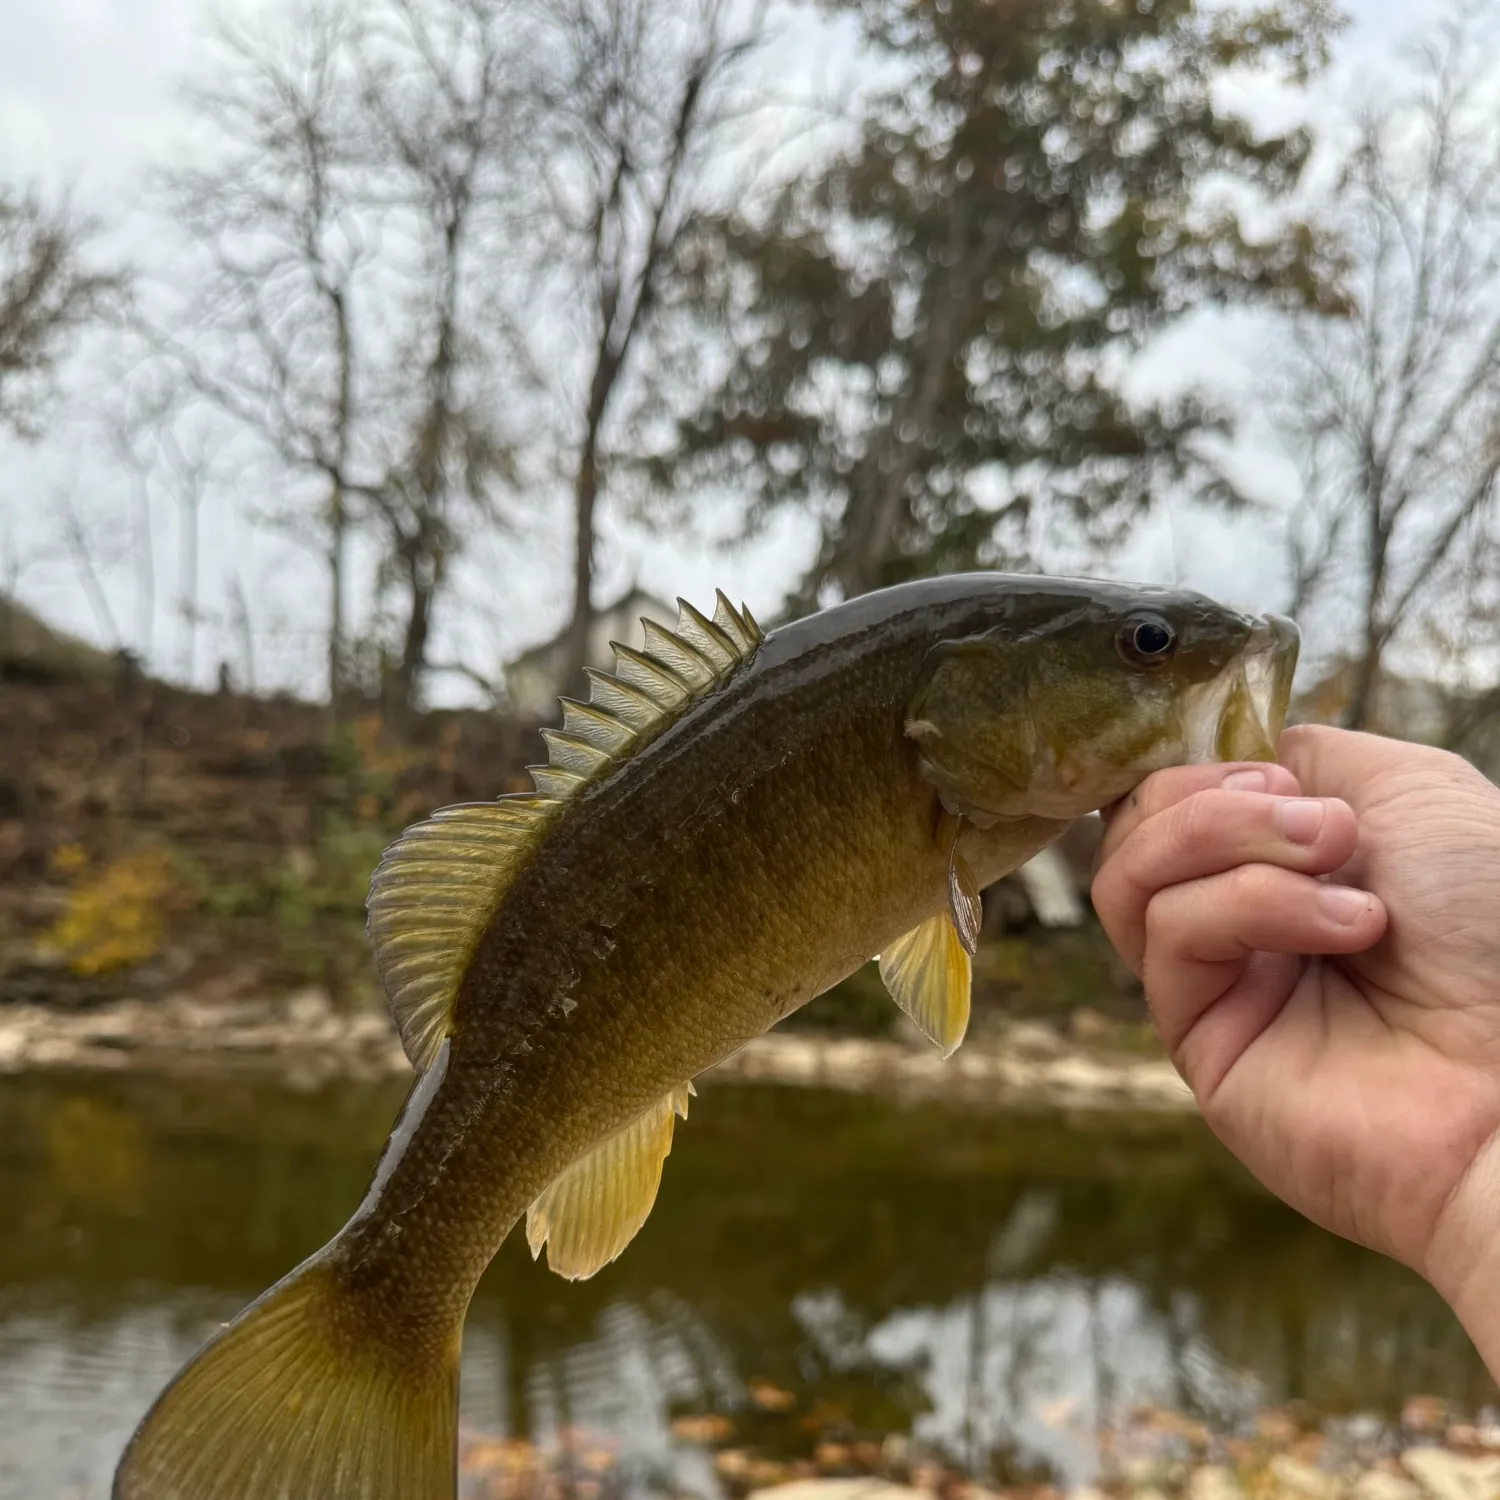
[295, 1400]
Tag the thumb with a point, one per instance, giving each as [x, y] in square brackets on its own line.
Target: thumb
[1347, 763]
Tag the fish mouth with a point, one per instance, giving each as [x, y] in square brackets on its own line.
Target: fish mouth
[1239, 715]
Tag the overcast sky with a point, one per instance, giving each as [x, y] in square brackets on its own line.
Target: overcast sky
[88, 100]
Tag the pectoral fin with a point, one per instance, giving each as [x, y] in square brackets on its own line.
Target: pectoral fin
[595, 1208]
[927, 972]
[964, 905]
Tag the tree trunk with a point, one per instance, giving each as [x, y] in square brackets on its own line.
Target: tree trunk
[423, 581]
[585, 506]
[338, 517]
[337, 524]
[424, 552]
[1362, 690]
[1356, 713]
[189, 585]
[580, 627]
[869, 531]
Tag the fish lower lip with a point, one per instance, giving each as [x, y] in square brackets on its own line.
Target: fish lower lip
[1270, 663]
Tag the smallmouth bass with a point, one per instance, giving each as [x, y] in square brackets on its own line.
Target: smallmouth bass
[732, 824]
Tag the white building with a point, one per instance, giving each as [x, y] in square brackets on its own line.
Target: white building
[535, 678]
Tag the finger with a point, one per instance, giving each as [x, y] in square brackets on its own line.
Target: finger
[1343, 762]
[1162, 789]
[1203, 937]
[1209, 832]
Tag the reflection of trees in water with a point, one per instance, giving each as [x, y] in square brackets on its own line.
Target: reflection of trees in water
[1024, 1376]
[895, 1264]
[624, 1380]
[1339, 1328]
[1034, 1348]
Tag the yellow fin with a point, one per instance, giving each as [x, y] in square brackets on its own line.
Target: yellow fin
[927, 972]
[430, 897]
[646, 691]
[438, 885]
[595, 1208]
[964, 905]
[298, 1398]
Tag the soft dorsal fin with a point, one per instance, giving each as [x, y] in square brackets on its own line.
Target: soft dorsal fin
[927, 972]
[430, 897]
[437, 886]
[596, 1206]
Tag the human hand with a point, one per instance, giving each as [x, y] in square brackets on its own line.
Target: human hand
[1341, 1034]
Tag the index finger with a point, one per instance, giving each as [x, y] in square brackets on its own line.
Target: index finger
[1164, 789]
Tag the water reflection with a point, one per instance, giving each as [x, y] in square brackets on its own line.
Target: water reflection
[1001, 1288]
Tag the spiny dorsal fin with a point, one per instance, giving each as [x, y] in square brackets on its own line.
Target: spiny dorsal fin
[647, 690]
[430, 897]
[596, 1207]
[438, 885]
[927, 972]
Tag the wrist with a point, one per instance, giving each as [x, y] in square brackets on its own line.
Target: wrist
[1463, 1256]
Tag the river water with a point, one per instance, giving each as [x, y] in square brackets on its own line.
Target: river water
[1001, 1288]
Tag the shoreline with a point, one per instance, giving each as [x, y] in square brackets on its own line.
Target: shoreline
[302, 1042]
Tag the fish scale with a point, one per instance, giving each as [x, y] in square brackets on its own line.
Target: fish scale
[733, 824]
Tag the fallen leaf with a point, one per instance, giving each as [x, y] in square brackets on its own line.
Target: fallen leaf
[770, 1397]
[705, 1428]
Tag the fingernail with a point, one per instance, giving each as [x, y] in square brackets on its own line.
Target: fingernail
[1245, 781]
[1300, 818]
[1343, 904]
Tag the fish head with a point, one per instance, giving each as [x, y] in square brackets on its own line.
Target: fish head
[1067, 703]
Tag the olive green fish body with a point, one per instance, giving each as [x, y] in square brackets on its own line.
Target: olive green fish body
[563, 966]
[759, 851]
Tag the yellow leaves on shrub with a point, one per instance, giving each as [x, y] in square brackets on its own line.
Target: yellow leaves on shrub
[377, 755]
[68, 860]
[116, 918]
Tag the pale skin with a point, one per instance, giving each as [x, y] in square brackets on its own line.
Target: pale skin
[1319, 942]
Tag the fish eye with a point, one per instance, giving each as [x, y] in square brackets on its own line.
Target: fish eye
[1146, 643]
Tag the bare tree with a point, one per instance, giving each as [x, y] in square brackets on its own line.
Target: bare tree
[344, 220]
[83, 548]
[244, 631]
[632, 113]
[188, 463]
[1394, 409]
[124, 444]
[265, 336]
[443, 115]
[389, 200]
[49, 292]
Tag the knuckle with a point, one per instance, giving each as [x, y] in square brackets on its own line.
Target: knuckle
[1117, 901]
[1164, 921]
[1310, 735]
[1103, 892]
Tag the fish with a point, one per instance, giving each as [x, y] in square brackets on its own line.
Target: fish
[732, 823]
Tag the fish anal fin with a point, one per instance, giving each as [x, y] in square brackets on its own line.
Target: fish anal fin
[593, 1210]
[927, 972]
